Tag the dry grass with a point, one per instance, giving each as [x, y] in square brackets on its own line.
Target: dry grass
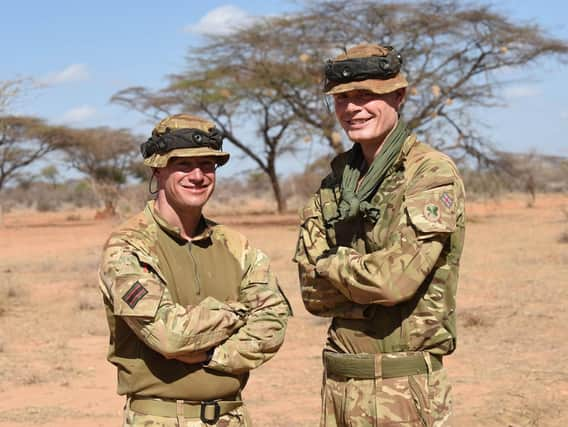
[30, 415]
[87, 304]
[469, 319]
[13, 293]
[73, 217]
[564, 236]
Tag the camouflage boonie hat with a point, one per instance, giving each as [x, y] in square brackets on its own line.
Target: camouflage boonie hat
[184, 121]
[375, 85]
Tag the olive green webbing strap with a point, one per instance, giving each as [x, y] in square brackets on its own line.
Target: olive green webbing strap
[362, 366]
[353, 198]
[173, 408]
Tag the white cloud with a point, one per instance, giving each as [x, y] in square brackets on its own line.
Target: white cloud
[221, 21]
[73, 73]
[564, 114]
[78, 114]
[522, 91]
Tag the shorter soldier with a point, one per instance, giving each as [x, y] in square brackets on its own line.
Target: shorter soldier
[379, 252]
[191, 306]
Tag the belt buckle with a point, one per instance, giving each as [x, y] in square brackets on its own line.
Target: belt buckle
[216, 412]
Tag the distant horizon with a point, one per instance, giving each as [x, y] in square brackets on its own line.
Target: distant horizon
[85, 53]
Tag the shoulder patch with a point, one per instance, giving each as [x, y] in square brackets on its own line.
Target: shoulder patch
[447, 199]
[133, 296]
[431, 212]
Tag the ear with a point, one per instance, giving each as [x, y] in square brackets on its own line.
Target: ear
[156, 174]
[400, 97]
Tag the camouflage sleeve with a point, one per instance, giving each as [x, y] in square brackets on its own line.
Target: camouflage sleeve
[320, 297]
[263, 333]
[393, 274]
[134, 292]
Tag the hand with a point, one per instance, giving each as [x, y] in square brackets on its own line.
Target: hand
[195, 358]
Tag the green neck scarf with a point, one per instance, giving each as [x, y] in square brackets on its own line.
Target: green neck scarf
[353, 199]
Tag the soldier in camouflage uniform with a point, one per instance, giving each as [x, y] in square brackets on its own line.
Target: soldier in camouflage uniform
[191, 306]
[379, 251]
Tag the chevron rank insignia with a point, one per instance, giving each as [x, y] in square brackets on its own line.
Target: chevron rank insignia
[134, 294]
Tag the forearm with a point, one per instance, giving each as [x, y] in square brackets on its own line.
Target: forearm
[319, 296]
[254, 344]
[135, 292]
[176, 330]
[263, 333]
[322, 299]
[386, 277]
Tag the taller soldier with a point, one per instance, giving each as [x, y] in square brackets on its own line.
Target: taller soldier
[379, 251]
[191, 306]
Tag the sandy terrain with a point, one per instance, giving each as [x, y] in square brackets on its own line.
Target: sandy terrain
[510, 369]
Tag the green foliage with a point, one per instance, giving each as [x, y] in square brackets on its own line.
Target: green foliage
[46, 203]
[24, 141]
[50, 173]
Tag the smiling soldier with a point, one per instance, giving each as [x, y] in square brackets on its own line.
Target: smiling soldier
[379, 251]
[191, 306]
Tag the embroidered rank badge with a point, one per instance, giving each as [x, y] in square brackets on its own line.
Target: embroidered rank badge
[134, 294]
[447, 200]
[431, 212]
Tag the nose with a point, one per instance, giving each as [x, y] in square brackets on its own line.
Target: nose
[196, 174]
[351, 105]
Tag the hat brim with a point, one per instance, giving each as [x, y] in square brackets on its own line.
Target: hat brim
[377, 86]
[161, 160]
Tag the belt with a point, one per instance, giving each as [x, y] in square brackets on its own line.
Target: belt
[208, 411]
[362, 366]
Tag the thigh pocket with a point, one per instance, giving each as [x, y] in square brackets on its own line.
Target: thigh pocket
[400, 401]
[419, 390]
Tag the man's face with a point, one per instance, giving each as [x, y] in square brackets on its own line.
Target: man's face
[366, 117]
[187, 182]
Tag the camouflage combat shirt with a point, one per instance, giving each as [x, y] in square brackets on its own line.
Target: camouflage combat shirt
[390, 286]
[167, 298]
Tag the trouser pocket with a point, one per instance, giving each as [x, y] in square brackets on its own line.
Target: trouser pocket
[419, 390]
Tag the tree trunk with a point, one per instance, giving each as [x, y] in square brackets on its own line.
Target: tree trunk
[335, 143]
[109, 211]
[277, 191]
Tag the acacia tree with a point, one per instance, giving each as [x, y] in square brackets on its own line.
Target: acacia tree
[104, 155]
[23, 141]
[452, 52]
[230, 101]
[9, 89]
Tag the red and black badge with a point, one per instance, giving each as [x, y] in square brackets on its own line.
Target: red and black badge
[134, 294]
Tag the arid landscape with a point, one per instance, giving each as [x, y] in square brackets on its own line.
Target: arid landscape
[510, 368]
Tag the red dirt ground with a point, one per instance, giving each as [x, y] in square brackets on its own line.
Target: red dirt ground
[510, 368]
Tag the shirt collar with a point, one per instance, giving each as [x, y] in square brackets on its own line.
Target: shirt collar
[204, 228]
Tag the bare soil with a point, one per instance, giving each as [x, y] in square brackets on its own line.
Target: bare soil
[510, 368]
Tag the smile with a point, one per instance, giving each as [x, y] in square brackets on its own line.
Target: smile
[354, 123]
[193, 188]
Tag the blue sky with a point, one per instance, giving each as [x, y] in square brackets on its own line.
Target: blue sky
[86, 51]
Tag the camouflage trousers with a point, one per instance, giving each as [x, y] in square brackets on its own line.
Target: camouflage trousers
[415, 401]
[236, 418]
